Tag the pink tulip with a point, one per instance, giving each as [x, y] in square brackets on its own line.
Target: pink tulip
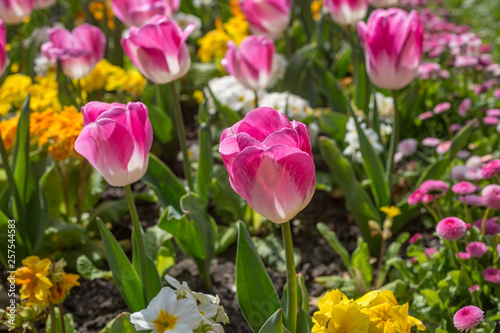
[267, 17]
[15, 11]
[270, 163]
[44, 4]
[347, 12]
[384, 3]
[116, 139]
[392, 40]
[158, 49]
[137, 12]
[78, 51]
[3, 51]
[252, 62]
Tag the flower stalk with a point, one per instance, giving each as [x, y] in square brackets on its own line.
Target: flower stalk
[394, 137]
[290, 277]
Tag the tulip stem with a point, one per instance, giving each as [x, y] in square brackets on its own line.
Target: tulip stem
[139, 237]
[290, 277]
[256, 99]
[394, 138]
[181, 134]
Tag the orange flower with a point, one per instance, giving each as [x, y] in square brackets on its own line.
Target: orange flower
[33, 279]
[61, 289]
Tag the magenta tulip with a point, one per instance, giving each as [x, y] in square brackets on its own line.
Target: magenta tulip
[158, 49]
[270, 163]
[116, 139]
[78, 51]
[15, 11]
[347, 12]
[252, 62]
[267, 17]
[3, 51]
[392, 40]
[134, 13]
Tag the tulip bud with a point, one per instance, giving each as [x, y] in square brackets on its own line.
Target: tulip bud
[137, 12]
[158, 49]
[252, 62]
[15, 11]
[270, 163]
[78, 51]
[347, 12]
[392, 40]
[267, 17]
[116, 140]
[3, 51]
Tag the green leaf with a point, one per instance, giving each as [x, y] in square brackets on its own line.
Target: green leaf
[298, 78]
[331, 238]
[357, 200]
[120, 324]
[205, 165]
[154, 279]
[125, 276]
[110, 211]
[373, 168]
[361, 261]
[162, 124]
[333, 92]
[304, 322]
[226, 237]
[68, 323]
[347, 286]
[231, 116]
[272, 251]
[361, 81]
[166, 185]
[432, 297]
[334, 123]
[255, 291]
[86, 268]
[398, 287]
[274, 324]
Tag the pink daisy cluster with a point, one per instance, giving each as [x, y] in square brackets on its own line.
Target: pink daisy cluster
[428, 191]
[467, 317]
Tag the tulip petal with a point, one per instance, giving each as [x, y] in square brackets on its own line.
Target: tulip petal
[233, 144]
[92, 110]
[277, 182]
[260, 123]
[107, 146]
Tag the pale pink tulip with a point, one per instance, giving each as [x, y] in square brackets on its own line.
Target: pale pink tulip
[158, 49]
[252, 62]
[44, 4]
[116, 139]
[392, 40]
[3, 51]
[270, 163]
[267, 17]
[137, 12]
[15, 11]
[78, 51]
[347, 12]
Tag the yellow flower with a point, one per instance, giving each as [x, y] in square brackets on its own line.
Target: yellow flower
[135, 83]
[198, 96]
[63, 285]
[8, 128]
[32, 277]
[316, 6]
[237, 28]
[344, 318]
[391, 211]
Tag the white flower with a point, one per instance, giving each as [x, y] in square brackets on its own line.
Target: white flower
[385, 129]
[42, 66]
[184, 19]
[279, 68]
[385, 106]
[353, 148]
[217, 328]
[229, 92]
[193, 153]
[167, 313]
[298, 108]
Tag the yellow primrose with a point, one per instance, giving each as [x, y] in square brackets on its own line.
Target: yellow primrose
[391, 211]
[61, 287]
[344, 318]
[32, 276]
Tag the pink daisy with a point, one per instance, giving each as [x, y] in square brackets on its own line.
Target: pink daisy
[462, 255]
[415, 238]
[474, 288]
[491, 196]
[468, 317]
[430, 142]
[443, 147]
[477, 249]
[492, 275]
[451, 228]
[442, 107]
[473, 200]
[426, 115]
[416, 197]
[490, 121]
[437, 188]
[463, 188]
[491, 226]
[490, 169]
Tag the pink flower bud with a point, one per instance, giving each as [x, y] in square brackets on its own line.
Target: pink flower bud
[443, 147]
[425, 115]
[137, 12]
[267, 17]
[474, 288]
[442, 107]
[462, 255]
[15, 11]
[451, 228]
[270, 163]
[252, 62]
[430, 142]
[116, 140]
[158, 49]
[392, 40]
[3, 51]
[415, 238]
[78, 51]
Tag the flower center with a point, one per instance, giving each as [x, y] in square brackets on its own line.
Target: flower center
[165, 322]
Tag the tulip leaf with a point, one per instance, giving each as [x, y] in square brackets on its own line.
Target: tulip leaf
[68, 323]
[331, 88]
[357, 200]
[128, 282]
[373, 168]
[361, 261]
[361, 81]
[331, 238]
[205, 165]
[274, 324]
[334, 124]
[232, 117]
[256, 295]
[154, 279]
[161, 123]
[166, 185]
